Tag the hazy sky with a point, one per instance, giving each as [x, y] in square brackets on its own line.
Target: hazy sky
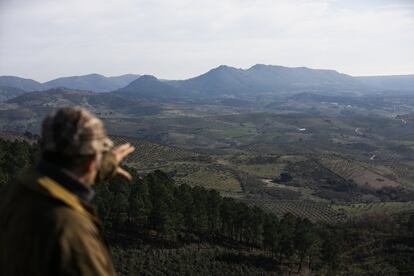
[176, 39]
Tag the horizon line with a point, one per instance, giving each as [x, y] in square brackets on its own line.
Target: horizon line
[221, 65]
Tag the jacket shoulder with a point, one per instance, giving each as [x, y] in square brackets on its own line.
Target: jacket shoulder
[80, 245]
[69, 220]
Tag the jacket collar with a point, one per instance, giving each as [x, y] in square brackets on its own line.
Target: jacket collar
[66, 180]
[46, 186]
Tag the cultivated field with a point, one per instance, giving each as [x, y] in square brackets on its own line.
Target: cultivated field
[314, 211]
[359, 209]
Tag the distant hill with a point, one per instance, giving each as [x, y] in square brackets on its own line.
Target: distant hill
[7, 92]
[51, 98]
[21, 83]
[267, 79]
[396, 83]
[91, 82]
[279, 77]
[57, 97]
[220, 80]
[33, 106]
[149, 87]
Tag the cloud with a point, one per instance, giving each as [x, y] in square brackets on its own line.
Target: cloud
[177, 39]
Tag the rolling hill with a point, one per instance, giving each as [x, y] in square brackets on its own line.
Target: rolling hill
[395, 83]
[21, 83]
[27, 110]
[8, 92]
[149, 87]
[91, 82]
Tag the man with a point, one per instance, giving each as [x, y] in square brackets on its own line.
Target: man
[47, 225]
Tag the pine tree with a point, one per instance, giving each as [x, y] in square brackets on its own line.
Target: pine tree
[139, 204]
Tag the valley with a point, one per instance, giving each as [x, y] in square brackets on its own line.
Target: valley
[304, 150]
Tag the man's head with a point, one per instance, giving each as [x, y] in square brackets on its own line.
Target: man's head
[74, 139]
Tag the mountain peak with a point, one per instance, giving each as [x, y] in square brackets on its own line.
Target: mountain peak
[93, 75]
[143, 82]
[261, 66]
[223, 68]
[147, 78]
[144, 79]
[258, 66]
[149, 87]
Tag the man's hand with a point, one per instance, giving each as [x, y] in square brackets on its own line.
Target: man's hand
[120, 152]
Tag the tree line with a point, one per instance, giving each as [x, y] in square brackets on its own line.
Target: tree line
[155, 206]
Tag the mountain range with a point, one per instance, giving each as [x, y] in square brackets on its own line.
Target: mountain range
[220, 82]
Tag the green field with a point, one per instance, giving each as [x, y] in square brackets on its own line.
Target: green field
[359, 209]
[314, 211]
[212, 178]
[263, 170]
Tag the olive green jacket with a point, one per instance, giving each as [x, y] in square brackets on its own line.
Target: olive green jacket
[47, 230]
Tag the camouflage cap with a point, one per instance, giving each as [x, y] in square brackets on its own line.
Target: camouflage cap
[73, 131]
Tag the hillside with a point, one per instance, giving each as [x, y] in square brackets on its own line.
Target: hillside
[8, 92]
[262, 79]
[149, 87]
[339, 157]
[26, 111]
[395, 83]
